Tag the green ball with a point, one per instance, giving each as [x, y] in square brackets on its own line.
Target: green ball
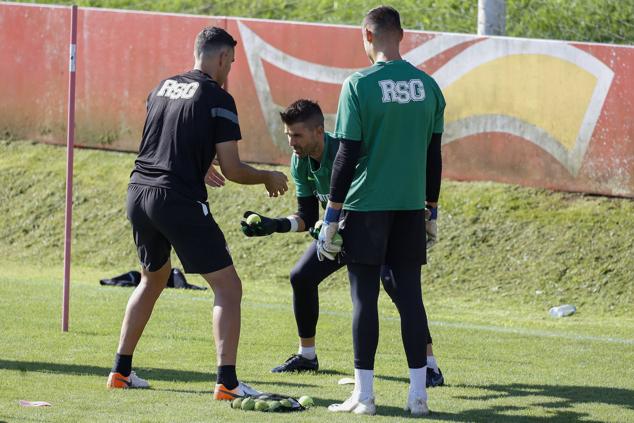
[286, 403]
[253, 219]
[236, 403]
[274, 405]
[248, 404]
[306, 401]
[261, 405]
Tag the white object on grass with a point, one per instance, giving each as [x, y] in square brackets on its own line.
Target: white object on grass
[563, 310]
[25, 403]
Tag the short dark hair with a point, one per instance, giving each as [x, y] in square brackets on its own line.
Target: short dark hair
[305, 111]
[212, 38]
[383, 20]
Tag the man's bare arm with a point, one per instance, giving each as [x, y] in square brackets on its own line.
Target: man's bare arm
[237, 171]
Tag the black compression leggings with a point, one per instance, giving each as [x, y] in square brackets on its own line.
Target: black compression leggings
[388, 279]
[406, 294]
[305, 278]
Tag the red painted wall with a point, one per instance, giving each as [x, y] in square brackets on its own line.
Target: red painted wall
[535, 112]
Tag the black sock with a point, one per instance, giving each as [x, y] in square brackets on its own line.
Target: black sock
[122, 364]
[227, 376]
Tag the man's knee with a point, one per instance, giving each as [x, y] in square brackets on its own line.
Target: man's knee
[226, 284]
[389, 282]
[156, 280]
[231, 293]
[229, 289]
[300, 279]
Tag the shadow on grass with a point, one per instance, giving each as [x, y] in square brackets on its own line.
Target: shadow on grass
[335, 373]
[83, 369]
[150, 373]
[381, 410]
[209, 391]
[186, 391]
[498, 414]
[564, 396]
[559, 406]
[393, 378]
[557, 400]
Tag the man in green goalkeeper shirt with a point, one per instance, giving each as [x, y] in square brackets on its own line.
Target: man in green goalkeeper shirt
[311, 168]
[389, 116]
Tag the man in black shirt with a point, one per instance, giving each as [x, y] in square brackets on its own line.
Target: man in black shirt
[190, 120]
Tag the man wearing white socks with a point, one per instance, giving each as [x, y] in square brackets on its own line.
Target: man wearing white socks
[314, 152]
[389, 123]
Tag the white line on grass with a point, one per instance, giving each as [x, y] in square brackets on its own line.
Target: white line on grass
[530, 332]
[470, 326]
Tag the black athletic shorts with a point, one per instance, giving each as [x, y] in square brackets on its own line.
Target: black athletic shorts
[378, 237]
[162, 218]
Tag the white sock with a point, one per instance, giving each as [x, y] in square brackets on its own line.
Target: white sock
[431, 363]
[417, 380]
[363, 384]
[307, 352]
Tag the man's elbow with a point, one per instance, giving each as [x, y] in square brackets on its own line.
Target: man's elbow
[231, 172]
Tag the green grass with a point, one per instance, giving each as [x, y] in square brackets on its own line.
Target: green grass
[500, 244]
[606, 21]
[553, 374]
[504, 358]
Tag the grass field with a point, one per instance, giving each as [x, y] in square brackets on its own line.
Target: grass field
[506, 255]
[516, 367]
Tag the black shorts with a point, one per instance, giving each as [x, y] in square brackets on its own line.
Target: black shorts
[380, 237]
[162, 218]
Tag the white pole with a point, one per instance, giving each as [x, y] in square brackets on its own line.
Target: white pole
[491, 17]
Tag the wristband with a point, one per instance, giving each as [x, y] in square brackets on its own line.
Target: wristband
[332, 215]
[433, 211]
[294, 223]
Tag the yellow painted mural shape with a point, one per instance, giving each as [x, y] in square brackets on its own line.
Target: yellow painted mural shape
[544, 91]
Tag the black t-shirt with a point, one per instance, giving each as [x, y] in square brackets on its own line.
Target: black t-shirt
[187, 115]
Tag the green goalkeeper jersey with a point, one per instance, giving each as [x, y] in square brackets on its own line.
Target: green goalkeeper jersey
[392, 108]
[312, 177]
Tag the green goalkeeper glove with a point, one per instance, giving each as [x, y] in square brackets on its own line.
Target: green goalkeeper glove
[314, 232]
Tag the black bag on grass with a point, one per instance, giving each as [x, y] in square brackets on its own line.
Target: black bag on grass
[133, 278]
